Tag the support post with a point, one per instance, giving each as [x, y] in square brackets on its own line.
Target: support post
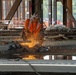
[33, 7]
[69, 22]
[50, 11]
[41, 11]
[64, 12]
[23, 13]
[55, 10]
[0, 9]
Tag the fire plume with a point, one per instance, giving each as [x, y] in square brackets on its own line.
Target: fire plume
[32, 29]
[30, 44]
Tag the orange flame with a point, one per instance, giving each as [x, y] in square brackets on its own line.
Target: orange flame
[30, 44]
[33, 29]
[30, 57]
[33, 26]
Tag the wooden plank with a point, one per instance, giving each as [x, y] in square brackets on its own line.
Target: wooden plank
[13, 9]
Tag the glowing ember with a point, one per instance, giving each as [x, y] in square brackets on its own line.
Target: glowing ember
[30, 44]
[29, 57]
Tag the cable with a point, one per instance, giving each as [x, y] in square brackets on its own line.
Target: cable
[32, 67]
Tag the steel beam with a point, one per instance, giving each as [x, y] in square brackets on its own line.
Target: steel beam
[13, 9]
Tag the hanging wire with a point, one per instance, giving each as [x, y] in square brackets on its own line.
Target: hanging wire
[32, 67]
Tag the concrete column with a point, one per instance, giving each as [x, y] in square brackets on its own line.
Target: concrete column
[0, 9]
[69, 21]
